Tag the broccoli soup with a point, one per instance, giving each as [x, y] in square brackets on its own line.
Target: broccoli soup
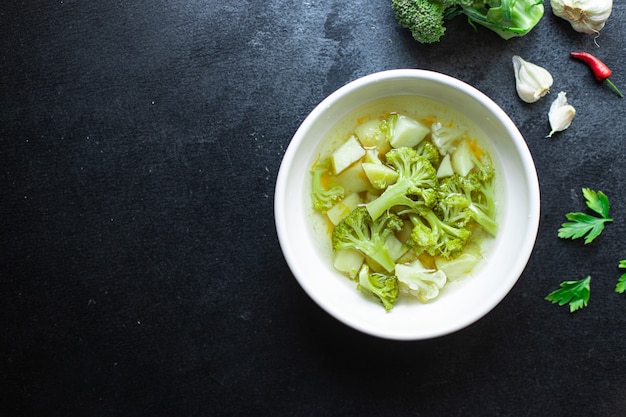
[406, 190]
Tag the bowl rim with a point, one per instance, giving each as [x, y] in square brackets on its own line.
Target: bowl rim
[517, 139]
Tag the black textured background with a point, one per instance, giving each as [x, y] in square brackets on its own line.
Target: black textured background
[140, 270]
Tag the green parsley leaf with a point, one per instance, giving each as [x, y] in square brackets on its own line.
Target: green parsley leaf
[585, 225]
[582, 224]
[597, 201]
[576, 293]
[621, 282]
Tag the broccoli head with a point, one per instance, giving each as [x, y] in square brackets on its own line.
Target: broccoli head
[454, 208]
[416, 178]
[325, 192]
[424, 18]
[436, 236]
[428, 151]
[359, 231]
[508, 18]
[478, 189]
[383, 286]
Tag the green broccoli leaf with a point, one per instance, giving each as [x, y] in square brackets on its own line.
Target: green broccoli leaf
[574, 293]
[585, 225]
[621, 281]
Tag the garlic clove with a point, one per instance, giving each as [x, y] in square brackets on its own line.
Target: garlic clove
[561, 114]
[585, 16]
[531, 81]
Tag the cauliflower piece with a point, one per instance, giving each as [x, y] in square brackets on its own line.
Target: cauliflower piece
[421, 282]
[446, 138]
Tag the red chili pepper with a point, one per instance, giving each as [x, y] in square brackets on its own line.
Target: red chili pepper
[599, 69]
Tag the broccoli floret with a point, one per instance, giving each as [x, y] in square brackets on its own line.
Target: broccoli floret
[359, 231]
[383, 286]
[428, 151]
[416, 177]
[478, 188]
[508, 18]
[454, 208]
[325, 191]
[483, 168]
[437, 236]
[483, 207]
[424, 18]
[483, 196]
[419, 281]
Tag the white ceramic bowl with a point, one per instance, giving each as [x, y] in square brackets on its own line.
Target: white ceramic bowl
[306, 244]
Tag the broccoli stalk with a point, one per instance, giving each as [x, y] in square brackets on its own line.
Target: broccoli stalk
[508, 18]
[383, 286]
[325, 192]
[483, 208]
[359, 231]
[416, 177]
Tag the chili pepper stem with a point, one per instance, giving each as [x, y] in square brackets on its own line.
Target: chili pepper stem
[610, 83]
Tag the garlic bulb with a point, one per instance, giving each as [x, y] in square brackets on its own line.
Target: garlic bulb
[531, 81]
[561, 114]
[585, 16]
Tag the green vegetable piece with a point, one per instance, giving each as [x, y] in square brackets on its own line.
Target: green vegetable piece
[359, 231]
[478, 187]
[597, 201]
[621, 282]
[425, 19]
[444, 229]
[438, 237]
[574, 293]
[508, 18]
[428, 151]
[416, 176]
[325, 191]
[585, 225]
[384, 287]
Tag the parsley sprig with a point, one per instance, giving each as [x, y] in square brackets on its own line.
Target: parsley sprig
[574, 293]
[621, 281]
[583, 224]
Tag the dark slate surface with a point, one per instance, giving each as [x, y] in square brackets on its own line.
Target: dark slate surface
[141, 273]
